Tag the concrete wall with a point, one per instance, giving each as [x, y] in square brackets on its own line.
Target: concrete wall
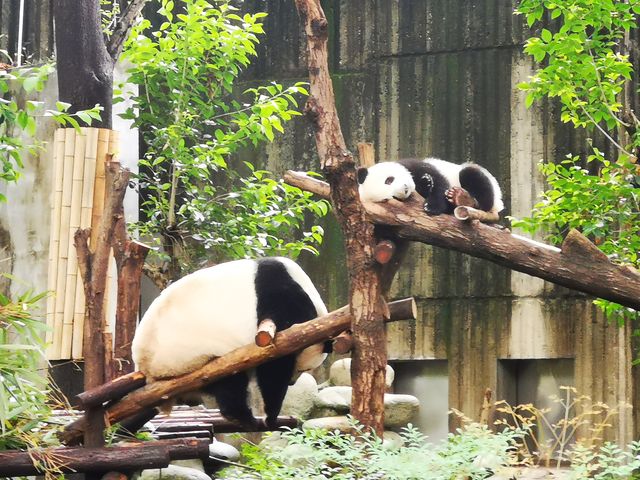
[435, 78]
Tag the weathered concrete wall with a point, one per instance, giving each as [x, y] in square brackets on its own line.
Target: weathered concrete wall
[437, 78]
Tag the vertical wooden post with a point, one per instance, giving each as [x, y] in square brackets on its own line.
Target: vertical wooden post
[93, 268]
[369, 354]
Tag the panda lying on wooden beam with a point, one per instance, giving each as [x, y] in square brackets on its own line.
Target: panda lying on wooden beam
[215, 310]
[444, 185]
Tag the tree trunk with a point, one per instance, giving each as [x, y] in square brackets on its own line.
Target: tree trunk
[369, 357]
[85, 68]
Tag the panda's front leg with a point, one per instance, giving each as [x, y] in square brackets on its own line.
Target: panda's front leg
[232, 394]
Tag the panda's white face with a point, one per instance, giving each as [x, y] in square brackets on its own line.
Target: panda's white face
[384, 181]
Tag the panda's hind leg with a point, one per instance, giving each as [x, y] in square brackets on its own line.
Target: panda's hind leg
[459, 197]
[231, 394]
[273, 380]
[475, 180]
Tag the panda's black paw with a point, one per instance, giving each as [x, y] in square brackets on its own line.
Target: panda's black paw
[430, 210]
[426, 181]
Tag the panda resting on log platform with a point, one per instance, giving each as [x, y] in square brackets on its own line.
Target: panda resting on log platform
[215, 310]
[444, 185]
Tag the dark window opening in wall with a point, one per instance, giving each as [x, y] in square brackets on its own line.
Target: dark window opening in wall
[428, 380]
[536, 381]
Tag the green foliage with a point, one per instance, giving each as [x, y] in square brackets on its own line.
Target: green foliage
[610, 462]
[23, 390]
[583, 68]
[319, 454]
[18, 118]
[197, 206]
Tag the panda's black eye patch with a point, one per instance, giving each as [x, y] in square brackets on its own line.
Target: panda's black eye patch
[389, 180]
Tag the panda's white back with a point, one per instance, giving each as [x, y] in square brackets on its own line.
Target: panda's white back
[451, 171]
[203, 315]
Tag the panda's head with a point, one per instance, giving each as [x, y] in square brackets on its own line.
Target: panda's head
[384, 181]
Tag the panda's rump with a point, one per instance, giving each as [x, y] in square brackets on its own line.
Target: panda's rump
[202, 316]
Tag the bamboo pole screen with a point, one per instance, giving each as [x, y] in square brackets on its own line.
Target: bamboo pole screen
[77, 202]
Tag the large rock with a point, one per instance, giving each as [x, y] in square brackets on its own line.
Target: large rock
[399, 409]
[301, 397]
[340, 423]
[340, 373]
[173, 472]
[223, 451]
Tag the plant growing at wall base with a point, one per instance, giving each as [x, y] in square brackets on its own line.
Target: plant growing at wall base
[471, 452]
[23, 389]
[197, 206]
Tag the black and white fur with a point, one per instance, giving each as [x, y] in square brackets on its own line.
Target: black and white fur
[432, 178]
[215, 310]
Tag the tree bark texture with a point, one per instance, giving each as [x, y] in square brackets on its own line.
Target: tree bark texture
[85, 68]
[130, 456]
[578, 265]
[130, 257]
[93, 268]
[369, 357]
[288, 341]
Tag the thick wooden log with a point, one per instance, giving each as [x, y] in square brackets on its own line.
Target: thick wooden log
[288, 341]
[579, 265]
[128, 456]
[112, 390]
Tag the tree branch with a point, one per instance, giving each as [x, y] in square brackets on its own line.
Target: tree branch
[579, 265]
[123, 27]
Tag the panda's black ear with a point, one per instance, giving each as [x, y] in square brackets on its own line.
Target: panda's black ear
[362, 174]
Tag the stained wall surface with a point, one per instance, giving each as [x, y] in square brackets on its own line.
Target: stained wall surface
[439, 78]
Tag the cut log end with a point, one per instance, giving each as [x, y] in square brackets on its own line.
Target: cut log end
[343, 343]
[470, 213]
[266, 332]
[384, 251]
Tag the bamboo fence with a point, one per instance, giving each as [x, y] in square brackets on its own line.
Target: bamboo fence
[77, 202]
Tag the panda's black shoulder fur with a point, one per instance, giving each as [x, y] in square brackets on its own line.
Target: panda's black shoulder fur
[280, 297]
[430, 183]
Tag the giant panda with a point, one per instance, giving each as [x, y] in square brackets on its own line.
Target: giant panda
[444, 185]
[212, 311]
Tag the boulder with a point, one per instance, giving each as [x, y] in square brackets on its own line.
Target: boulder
[301, 397]
[223, 451]
[399, 409]
[340, 423]
[173, 472]
[340, 373]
